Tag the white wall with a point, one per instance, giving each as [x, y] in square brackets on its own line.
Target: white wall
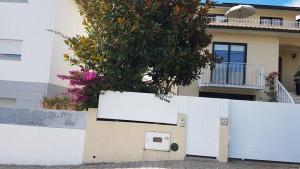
[264, 131]
[32, 145]
[137, 107]
[29, 22]
[69, 22]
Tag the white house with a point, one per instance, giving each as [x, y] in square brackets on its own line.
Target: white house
[30, 56]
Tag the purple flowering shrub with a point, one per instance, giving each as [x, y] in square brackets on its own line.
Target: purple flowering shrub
[85, 86]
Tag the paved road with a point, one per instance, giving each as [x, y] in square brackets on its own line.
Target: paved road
[190, 163]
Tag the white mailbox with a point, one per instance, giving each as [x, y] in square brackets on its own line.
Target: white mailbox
[157, 141]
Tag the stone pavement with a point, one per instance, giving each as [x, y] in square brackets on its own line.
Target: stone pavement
[189, 163]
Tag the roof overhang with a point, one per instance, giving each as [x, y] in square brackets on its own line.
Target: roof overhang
[253, 30]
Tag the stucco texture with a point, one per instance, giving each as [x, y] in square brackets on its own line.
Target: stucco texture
[109, 141]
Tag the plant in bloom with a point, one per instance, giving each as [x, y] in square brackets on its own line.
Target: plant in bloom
[85, 86]
[90, 75]
[271, 82]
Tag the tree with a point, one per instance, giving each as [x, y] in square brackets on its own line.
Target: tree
[126, 40]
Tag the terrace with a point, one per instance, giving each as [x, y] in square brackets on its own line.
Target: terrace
[263, 23]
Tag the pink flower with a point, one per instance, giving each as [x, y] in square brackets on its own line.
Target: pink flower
[84, 84]
[90, 75]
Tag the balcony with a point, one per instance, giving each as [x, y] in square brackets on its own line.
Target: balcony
[255, 23]
[234, 75]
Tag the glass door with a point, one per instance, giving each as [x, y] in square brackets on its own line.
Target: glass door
[232, 68]
[219, 73]
[237, 66]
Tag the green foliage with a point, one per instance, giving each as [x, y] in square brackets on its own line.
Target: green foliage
[59, 103]
[126, 40]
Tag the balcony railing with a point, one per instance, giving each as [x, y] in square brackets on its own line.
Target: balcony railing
[255, 23]
[234, 75]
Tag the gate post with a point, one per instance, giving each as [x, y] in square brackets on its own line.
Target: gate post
[223, 131]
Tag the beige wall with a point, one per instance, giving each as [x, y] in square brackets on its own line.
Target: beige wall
[288, 47]
[123, 142]
[289, 68]
[223, 142]
[263, 50]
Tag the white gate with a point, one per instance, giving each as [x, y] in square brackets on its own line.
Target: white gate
[264, 131]
[203, 126]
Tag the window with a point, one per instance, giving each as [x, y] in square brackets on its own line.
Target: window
[271, 21]
[10, 49]
[218, 18]
[232, 70]
[230, 52]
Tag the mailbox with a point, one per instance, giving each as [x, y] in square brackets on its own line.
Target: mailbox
[157, 141]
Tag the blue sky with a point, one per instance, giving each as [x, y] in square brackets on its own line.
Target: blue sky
[265, 2]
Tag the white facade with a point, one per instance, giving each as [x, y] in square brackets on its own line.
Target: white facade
[41, 51]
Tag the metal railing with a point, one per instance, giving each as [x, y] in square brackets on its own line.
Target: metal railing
[255, 23]
[236, 75]
[283, 95]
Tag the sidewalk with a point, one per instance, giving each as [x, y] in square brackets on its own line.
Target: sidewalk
[189, 163]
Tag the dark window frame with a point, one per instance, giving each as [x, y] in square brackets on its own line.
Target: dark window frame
[15, 57]
[229, 51]
[230, 44]
[271, 19]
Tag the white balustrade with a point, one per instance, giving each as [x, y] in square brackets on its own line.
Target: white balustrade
[229, 74]
[255, 23]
